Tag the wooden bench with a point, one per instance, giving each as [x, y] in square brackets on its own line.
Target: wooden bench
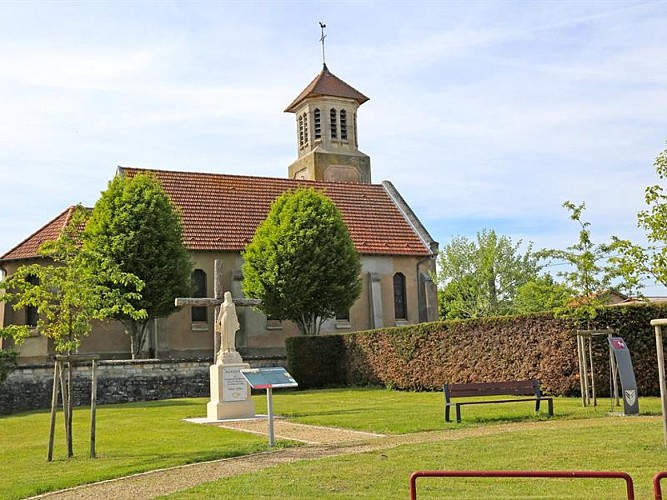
[481, 389]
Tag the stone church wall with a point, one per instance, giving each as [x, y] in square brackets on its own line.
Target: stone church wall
[29, 387]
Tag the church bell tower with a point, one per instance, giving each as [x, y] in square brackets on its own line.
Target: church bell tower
[326, 132]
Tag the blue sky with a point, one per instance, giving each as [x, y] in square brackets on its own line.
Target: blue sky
[483, 114]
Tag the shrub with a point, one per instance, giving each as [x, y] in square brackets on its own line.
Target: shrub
[424, 356]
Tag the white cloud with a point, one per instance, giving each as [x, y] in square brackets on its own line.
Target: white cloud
[488, 113]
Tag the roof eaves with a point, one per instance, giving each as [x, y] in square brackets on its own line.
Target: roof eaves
[320, 84]
[411, 218]
[67, 213]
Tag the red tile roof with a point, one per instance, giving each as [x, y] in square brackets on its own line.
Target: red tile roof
[221, 212]
[327, 84]
[27, 249]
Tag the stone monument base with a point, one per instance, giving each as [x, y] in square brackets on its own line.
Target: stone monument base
[230, 393]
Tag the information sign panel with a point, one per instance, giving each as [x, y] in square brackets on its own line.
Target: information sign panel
[265, 378]
[626, 374]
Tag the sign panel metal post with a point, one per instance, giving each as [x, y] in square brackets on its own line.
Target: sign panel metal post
[269, 411]
[658, 324]
[268, 378]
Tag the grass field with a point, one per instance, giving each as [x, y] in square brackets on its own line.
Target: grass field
[633, 445]
[145, 436]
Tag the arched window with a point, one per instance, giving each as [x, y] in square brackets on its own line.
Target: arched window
[400, 305]
[31, 314]
[318, 124]
[199, 313]
[300, 121]
[305, 129]
[343, 124]
[334, 127]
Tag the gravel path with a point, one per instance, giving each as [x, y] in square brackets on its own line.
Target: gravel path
[324, 442]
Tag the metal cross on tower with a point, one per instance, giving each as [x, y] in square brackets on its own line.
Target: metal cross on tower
[322, 26]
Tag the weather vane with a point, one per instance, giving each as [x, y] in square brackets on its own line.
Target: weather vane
[322, 25]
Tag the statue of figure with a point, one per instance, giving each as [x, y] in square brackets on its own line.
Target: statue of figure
[228, 324]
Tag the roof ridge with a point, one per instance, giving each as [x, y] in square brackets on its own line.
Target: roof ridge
[241, 176]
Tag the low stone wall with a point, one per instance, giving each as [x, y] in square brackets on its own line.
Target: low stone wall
[30, 387]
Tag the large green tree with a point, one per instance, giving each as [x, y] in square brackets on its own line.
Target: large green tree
[481, 277]
[301, 262]
[135, 224]
[637, 263]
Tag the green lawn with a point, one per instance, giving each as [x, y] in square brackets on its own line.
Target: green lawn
[145, 436]
[632, 445]
[131, 438]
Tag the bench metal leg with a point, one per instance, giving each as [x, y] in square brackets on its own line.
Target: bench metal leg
[551, 407]
[447, 408]
[458, 413]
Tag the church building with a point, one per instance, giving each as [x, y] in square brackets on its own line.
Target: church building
[220, 213]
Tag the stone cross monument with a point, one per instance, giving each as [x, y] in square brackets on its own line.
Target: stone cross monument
[230, 392]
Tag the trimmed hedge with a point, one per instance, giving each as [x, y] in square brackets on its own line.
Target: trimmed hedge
[318, 362]
[424, 356]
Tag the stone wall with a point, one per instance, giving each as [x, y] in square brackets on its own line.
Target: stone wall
[30, 387]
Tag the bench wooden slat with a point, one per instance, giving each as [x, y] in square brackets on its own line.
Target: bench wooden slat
[518, 388]
[503, 388]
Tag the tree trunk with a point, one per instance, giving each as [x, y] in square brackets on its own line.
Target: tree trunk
[137, 331]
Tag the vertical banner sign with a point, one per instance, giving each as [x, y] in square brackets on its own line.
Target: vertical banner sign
[627, 375]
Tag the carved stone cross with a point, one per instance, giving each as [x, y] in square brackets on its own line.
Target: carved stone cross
[218, 298]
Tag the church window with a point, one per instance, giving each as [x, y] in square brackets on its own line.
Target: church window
[343, 319]
[199, 278]
[305, 129]
[318, 124]
[300, 131]
[334, 127]
[31, 314]
[400, 306]
[343, 315]
[343, 124]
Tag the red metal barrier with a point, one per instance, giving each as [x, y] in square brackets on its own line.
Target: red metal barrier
[523, 473]
[657, 492]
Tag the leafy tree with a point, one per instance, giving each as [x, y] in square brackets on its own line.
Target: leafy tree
[588, 275]
[71, 289]
[301, 262]
[135, 224]
[482, 277]
[541, 294]
[636, 263]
